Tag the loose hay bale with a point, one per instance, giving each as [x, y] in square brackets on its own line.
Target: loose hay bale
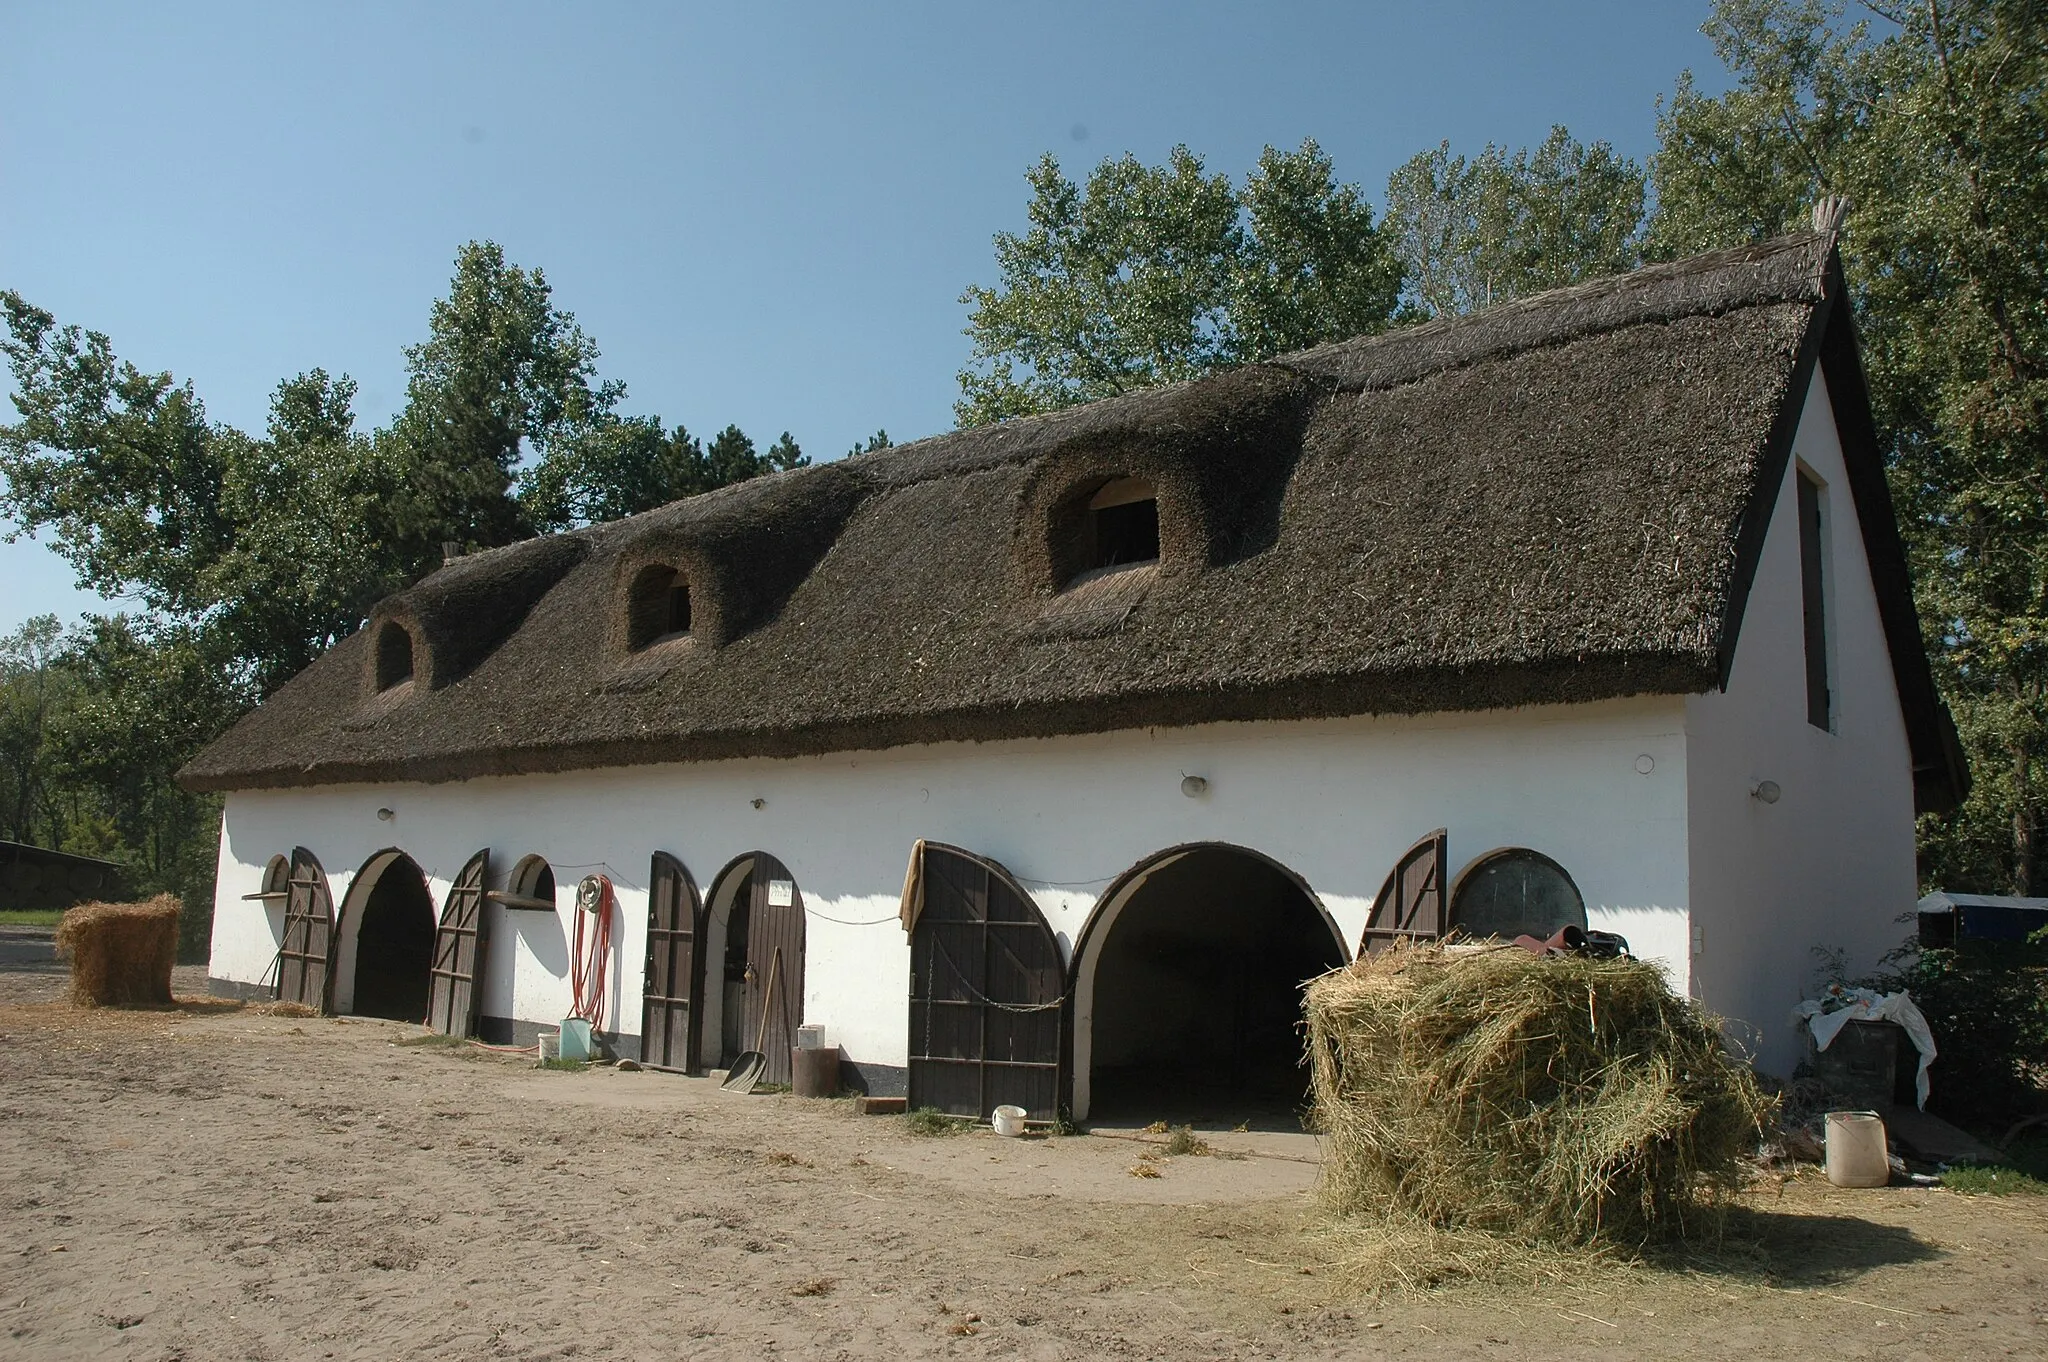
[121, 953]
[1555, 1100]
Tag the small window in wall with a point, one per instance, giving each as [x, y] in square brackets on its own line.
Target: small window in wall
[1124, 519]
[1813, 597]
[657, 607]
[532, 886]
[277, 881]
[394, 655]
[1516, 892]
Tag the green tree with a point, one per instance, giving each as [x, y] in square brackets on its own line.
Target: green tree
[503, 375]
[1473, 233]
[1152, 274]
[31, 692]
[621, 466]
[1933, 125]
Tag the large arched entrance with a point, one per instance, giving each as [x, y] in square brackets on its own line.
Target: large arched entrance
[388, 939]
[1187, 989]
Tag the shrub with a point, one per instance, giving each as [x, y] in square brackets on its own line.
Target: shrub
[1987, 1004]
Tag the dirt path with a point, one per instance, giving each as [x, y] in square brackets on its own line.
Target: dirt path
[218, 1184]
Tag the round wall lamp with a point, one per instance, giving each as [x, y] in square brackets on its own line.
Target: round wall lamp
[386, 815]
[1766, 792]
[1194, 787]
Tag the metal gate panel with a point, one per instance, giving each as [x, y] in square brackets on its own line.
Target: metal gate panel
[668, 1018]
[986, 992]
[303, 960]
[775, 954]
[459, 952]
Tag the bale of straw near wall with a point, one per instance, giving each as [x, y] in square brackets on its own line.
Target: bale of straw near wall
[1553, 1100]
[121, 953]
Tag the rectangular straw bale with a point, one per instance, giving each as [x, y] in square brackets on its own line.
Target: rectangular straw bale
[121, 953]
[1555, 1099]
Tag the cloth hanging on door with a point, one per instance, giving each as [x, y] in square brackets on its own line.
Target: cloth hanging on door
[912, 905]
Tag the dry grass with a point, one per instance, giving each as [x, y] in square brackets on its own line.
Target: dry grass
[121, 953]
[1481, 1107]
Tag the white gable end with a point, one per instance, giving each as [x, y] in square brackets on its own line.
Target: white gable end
[1829, 866]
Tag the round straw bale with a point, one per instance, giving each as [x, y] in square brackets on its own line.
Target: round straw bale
[121, 953]
[1550, 1099]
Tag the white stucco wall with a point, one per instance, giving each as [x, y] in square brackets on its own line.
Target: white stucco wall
[1831, 864]
[1335, 801]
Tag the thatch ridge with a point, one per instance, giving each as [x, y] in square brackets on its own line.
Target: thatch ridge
[1541, 504]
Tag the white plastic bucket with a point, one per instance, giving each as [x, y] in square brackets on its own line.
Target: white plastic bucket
[550, 1046]
[1856, 1150]
[575, 1038]
[1008, 1120]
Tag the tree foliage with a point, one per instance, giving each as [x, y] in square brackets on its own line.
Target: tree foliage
[252, 554]
[1471, 233]
[1150, 274]
[1931, 120]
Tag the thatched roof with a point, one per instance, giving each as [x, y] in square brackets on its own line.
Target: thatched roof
[1559, 499]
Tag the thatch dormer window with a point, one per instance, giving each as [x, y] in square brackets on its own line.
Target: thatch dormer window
[394, 655]
[657, 607]
[1123, 524]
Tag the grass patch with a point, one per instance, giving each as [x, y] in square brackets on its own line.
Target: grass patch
[568, 1066]
[1183, 1140]
[1990, 1179]
[30, 917]
[932, 1121]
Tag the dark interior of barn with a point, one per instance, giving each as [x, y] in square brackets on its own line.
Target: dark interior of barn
[1197, 998]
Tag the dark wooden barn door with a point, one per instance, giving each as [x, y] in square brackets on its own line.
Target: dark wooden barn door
[775, 952]
[986, 988]
[1410, 905]
[459, 952]
[302, 961]
[668, 1015]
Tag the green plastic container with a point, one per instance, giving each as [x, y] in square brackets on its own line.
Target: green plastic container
[575, 1038]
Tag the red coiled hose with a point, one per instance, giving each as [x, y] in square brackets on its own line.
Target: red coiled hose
[593, 955]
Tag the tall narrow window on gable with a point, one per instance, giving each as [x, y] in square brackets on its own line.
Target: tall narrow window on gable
[1813, 598]
[1124, 516]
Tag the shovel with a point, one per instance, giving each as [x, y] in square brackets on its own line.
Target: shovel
[746, 1070]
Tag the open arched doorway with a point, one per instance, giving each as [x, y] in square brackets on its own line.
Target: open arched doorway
[385, 965]
[1187, 989]
[751, 966]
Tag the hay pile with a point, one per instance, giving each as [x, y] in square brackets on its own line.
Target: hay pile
[121, 953]
[1560, 1100]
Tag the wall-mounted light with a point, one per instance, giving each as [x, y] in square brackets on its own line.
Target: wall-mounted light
[758, 803]
[386, 815]
[1194, 787]
[1766, 792]
[1645, 764]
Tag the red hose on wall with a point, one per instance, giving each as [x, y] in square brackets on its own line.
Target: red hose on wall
[593, 954]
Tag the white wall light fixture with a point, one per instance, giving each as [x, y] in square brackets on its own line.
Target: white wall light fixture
[1766, 792]
[1194, 787]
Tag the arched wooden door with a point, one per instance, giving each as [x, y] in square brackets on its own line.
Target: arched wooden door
[775, 964]
[303, 960]
[668, 1014]
[459, 952]
[986, 989]
[1411, 904]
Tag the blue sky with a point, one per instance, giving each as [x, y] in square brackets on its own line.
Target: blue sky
[764, 214]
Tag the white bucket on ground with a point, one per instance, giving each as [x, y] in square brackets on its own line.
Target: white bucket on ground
[1008, 1120]
[575, 1038]
[550, 1046]
[1856, 1150]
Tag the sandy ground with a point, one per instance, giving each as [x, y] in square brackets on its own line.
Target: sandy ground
[214, 1183]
